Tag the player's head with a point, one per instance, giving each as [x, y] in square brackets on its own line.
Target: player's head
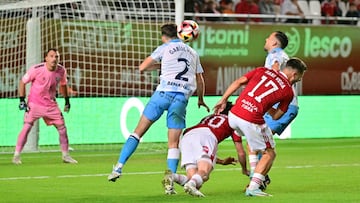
[52, 58]
[295, 69]
[169, 31]
[282, 38]
[229, 105]
[276, 39]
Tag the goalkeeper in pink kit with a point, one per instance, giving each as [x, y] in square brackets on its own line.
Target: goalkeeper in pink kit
[44, 78]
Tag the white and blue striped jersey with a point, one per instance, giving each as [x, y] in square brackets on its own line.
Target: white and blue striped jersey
[179, 65]
[279, 55]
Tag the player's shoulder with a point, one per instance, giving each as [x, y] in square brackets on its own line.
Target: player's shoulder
[216, 115]
[60, 69]
[221, 116]
[191, 49]
[60, 66]
[37, 66]
[261, 69]
[278, 51]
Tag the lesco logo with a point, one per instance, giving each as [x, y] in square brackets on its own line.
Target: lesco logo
[317, 44]
[294, 42]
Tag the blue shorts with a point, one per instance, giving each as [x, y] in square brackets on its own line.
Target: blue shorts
[278, 126]
[174, 102]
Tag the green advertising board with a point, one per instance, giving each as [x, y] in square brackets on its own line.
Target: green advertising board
[110, 120]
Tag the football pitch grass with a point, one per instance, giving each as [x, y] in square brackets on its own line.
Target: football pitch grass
[305, 170]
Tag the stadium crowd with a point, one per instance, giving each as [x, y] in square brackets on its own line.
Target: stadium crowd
[297, 9]
[327, 8]
[293, 8]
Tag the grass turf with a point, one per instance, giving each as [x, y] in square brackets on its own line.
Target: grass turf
[309, 170]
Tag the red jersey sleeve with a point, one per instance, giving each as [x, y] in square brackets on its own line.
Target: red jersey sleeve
[284, 103]
[235, 137]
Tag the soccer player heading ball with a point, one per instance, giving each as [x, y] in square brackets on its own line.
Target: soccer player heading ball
[181, 76]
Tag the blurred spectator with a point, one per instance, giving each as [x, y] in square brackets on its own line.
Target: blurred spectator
[356, 2]
[226, 7]
[194, 6]
[247, 7]
[212, 7]
[352, 12]
[292, 8]
[277, 6]
[330, 8]
[267, 7]
[198, 8]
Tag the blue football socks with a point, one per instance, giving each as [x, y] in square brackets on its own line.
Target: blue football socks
[128, 149]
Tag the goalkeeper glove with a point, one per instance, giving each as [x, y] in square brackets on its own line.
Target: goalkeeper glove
[23, 105]
[67, 104]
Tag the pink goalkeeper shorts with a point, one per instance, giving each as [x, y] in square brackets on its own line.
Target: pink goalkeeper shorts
[51, 115]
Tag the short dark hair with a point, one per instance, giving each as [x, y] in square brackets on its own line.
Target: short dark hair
[283, 39]
[169, 30]
[51, 49]
[297, 64]
[229, 105]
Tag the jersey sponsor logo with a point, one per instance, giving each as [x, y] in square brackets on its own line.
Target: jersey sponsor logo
[175, 84]
[248, 106]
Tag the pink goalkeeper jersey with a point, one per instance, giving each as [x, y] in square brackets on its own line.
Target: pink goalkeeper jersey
[265, 88]
[44, 83]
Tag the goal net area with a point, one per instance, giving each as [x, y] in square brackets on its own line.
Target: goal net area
[101, 44]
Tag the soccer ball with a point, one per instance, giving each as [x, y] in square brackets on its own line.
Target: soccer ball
[188, 30]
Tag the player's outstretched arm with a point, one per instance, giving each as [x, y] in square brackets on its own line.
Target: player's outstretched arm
[275, 113]
[148, 64]
[67, 104]
[22, 95]
[242, 157]
[220, 106]
[64, 91]
[226, 161]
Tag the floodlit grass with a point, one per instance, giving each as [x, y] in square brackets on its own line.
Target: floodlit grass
[312, 170]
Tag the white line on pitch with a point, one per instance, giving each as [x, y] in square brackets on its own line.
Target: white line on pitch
[161, 172]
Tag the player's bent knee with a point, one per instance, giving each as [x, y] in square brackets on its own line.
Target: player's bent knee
[191, 168]
[270, 152]
[205, 158]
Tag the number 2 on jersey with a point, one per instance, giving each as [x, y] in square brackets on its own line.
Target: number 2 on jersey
[179, 76]
[259, 97]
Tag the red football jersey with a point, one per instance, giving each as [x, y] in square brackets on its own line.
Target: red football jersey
[265, 88]
[219, 126]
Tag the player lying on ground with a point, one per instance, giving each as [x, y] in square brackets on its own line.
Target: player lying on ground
[198, 147]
